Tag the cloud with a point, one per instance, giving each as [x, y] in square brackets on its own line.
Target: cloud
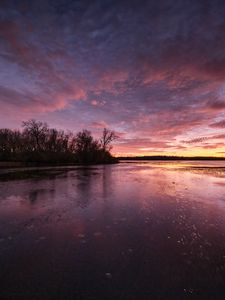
[213, 146]
[197, 140]
[152, 70]
[100, 124]
[219, 124]
[205, 138]
[216, 105]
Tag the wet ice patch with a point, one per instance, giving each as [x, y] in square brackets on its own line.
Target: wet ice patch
[108, 275]
[97, 234]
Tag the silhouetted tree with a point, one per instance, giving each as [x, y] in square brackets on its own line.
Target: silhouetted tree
[86, 147]
[39, 143]
[108, 136]
[36, 132]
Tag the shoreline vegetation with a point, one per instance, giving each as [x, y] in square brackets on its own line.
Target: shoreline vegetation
[39, 145]
[168, 158]
[26, 164]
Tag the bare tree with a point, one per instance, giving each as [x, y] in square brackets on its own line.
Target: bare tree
[108, 136]
[36, 131]
[86, 146]
[39, 143]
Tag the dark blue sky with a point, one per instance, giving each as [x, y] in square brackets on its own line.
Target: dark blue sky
[154, 71]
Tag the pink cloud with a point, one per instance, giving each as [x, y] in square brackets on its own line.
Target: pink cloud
[100, 124]
[219, 124]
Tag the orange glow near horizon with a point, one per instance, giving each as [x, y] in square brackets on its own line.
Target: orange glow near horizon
[189, 153]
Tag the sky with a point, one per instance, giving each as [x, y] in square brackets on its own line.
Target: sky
[152, 71]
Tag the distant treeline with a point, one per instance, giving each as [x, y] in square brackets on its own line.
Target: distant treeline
[162, 157]
[38, 143]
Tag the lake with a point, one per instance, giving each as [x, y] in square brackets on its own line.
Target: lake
[133, 230]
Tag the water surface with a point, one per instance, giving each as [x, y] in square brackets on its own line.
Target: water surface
[135, 230]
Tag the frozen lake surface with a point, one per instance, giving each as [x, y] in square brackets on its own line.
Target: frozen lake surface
[134, 230]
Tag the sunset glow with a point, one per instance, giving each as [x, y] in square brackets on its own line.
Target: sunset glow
[153, 71]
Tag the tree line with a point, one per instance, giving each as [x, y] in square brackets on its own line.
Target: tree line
[36, 142]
